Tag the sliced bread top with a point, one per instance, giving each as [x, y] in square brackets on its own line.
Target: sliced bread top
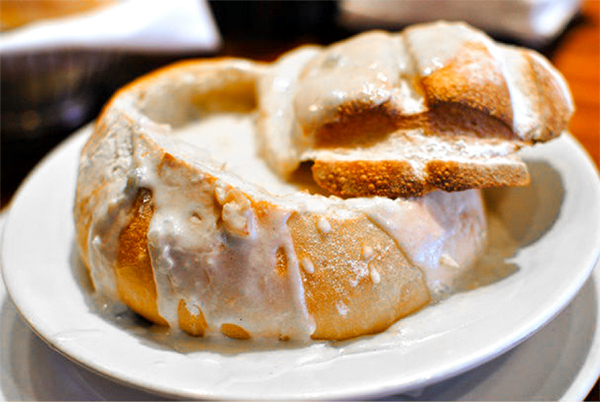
[434, 86]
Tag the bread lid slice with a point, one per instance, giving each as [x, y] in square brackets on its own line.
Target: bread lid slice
[344, 106]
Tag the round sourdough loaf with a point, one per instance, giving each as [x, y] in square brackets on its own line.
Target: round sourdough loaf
[178, 217]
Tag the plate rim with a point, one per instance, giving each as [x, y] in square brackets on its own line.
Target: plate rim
[576, 390]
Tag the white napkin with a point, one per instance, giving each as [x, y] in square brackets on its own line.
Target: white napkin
[166, 26]
[530, 21]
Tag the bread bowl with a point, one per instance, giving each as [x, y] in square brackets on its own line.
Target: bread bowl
[179, 217]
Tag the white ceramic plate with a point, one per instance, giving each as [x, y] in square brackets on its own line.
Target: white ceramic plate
[560, 362]
[556, 221]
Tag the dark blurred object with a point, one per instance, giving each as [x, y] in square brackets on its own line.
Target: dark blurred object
[47, 89]
[594, 393]
[281, 20]
[44, 96]
[263, 30]
[50, 91]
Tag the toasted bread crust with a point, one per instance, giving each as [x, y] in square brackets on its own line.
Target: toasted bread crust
[133, 265]
[460, 82]
[350, 121]
[453, 176]
[379, 178]
[397, 179]
[446, 118]
[554, 102]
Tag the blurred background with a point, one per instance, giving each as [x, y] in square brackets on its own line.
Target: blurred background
[61, 60]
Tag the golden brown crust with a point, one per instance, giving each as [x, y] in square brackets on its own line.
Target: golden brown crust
[448, 117]
[234, 331]
[459, 121]
[554, 106]
[342, 308]
[133, 266]
[453, 176]
[472, 78]
[191, 319]
[350, 122]
[388, 178]
[83, 220]
[395, 179]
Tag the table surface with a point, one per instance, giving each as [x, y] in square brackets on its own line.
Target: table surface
[576, 54]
